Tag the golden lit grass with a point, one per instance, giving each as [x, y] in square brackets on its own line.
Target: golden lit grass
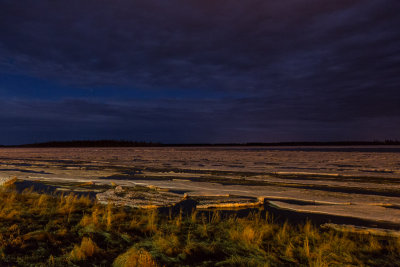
[248, 235]
[135, 258]
[46, 230]
[167, 244]
[85, 250]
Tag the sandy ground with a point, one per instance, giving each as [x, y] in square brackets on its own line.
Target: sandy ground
[357, 182]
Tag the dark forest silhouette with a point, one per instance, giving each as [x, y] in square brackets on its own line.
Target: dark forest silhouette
[124, 143]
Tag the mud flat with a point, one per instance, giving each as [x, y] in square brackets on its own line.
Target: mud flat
[359, 182]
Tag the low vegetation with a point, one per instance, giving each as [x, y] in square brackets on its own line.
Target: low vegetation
[44, 230]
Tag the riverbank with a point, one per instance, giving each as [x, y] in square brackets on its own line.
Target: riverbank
[69, 230]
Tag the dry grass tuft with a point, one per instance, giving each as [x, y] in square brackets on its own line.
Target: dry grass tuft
[245, 234]
[167, 244]
[135, 258]
[87, 249]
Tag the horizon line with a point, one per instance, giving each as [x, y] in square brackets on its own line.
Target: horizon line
[128, 143]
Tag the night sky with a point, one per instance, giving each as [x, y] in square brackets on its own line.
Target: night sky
[199, 71]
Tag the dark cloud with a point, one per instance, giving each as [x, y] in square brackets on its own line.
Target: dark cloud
[290, 70]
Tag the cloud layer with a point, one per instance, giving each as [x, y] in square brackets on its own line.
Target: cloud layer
[200, 70]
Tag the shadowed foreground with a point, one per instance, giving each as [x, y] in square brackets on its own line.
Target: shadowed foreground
[39, 229]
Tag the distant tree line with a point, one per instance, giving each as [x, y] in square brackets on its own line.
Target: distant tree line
[124, 143]
[92, 143]
[336, 143]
